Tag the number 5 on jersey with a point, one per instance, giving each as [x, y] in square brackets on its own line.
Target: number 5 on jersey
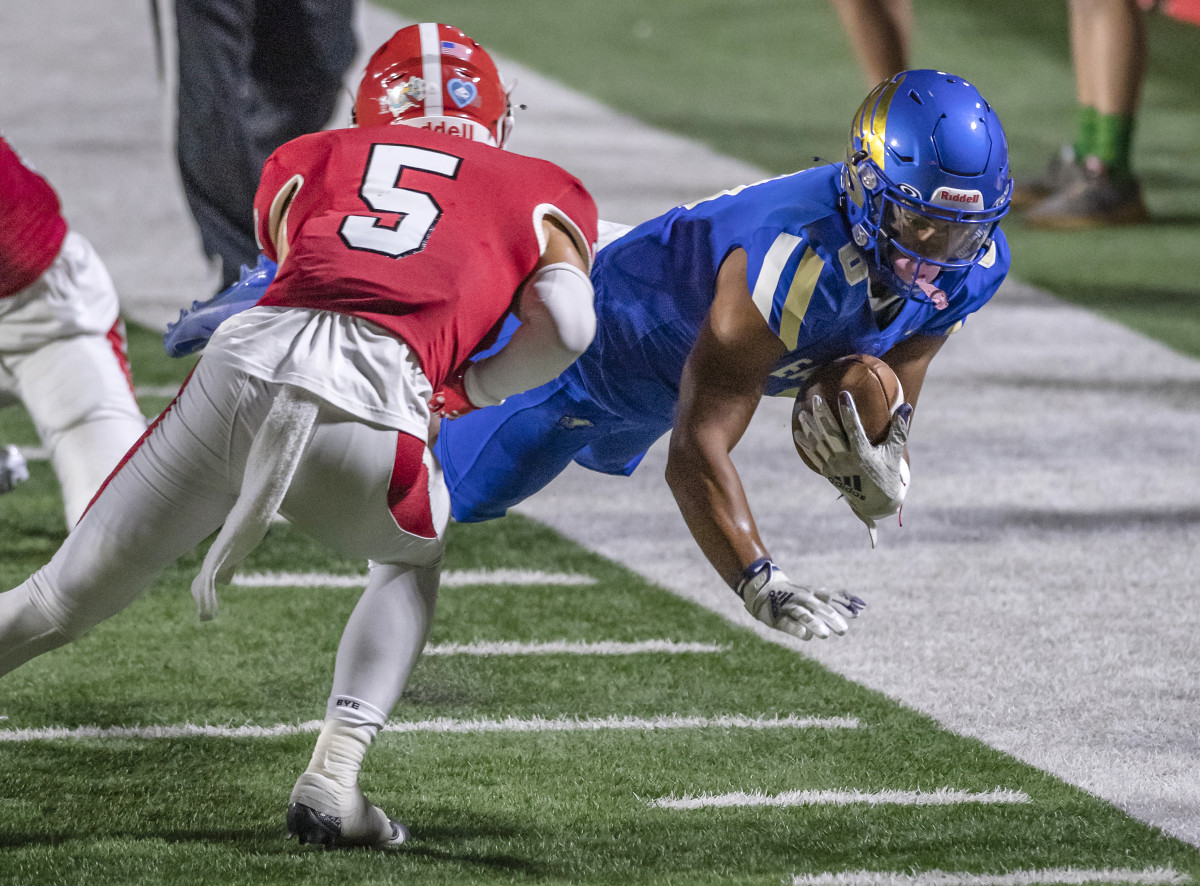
[380, 190]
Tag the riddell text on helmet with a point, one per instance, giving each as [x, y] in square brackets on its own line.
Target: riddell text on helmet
[463, 130]
[951, 195]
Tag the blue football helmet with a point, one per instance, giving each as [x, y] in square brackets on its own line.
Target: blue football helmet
[926, 178]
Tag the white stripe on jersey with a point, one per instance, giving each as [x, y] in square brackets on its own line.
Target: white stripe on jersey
[431, 63]
[772, 268]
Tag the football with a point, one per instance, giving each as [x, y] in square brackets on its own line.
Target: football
[871, 382]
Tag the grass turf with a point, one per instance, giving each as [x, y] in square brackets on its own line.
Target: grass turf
[536, 807]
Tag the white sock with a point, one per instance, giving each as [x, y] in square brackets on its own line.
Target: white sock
[340, 749]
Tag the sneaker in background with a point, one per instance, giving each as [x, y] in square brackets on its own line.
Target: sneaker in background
[1060, 173]
[1098, 199]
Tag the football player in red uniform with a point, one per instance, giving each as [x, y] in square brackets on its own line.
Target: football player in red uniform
[401, 248]
[62, 343]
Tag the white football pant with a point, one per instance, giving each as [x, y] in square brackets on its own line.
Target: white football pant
[177, 488]
[62, 355]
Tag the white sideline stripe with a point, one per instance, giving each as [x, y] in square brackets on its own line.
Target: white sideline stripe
[452, 578]
[156, 390]
[940, 797]
[568, 647]
[1046, 876]
[438, 724]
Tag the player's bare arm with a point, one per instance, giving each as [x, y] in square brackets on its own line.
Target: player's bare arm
[910, 361]
[554, 305]
[562, 246]
[722, 383]
[720, 389]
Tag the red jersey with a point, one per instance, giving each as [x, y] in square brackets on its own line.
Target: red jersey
[31, 224]
[423, 234]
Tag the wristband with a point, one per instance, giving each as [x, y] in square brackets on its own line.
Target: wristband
[759, 568]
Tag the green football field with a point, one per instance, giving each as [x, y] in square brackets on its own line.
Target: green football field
[572, 723]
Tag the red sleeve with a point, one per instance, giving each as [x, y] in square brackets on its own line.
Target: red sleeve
[279, 173]
[576, 205]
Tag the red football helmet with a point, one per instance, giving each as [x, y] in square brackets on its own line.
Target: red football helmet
[436, 77]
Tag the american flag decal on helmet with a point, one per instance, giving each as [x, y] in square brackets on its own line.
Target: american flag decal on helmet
[457, 50]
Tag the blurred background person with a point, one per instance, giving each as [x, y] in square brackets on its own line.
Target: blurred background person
[62, 344]
[1090, 183]
[247, 76]
[880, 31]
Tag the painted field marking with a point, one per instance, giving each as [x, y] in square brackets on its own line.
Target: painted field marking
[1043, 877]
[453, 578]
[940, 797]
[436, 725]
[568, 647]
[156, 390]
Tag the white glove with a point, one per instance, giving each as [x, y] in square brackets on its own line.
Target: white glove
[872, 479]
[775, 600]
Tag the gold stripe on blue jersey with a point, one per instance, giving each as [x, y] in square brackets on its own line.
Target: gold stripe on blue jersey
[800, 293]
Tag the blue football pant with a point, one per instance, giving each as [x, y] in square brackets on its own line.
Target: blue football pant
[497, 457]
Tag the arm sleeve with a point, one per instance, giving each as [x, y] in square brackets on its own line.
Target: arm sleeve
[558, 323]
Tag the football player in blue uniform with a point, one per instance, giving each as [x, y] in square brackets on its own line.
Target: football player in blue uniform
[707, 308]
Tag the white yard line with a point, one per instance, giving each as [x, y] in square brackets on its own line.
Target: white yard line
[1043, 877]
[568, 647]
[939, 797]
[452, 578]
[156, 390]
[436, 725]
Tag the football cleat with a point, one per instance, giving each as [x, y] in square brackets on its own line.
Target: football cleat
[196, 325]
[1060, 173]
[320, 814]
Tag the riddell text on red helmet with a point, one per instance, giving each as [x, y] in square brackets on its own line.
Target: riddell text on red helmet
[462, 130]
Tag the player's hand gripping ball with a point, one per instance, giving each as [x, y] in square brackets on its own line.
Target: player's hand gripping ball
[873, 385]
[850, 425]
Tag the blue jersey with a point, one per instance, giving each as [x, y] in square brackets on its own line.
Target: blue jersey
[654, 287]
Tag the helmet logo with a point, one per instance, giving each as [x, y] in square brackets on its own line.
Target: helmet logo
[463, 92]
[457, 50]
[954, 198]
[404, 95]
